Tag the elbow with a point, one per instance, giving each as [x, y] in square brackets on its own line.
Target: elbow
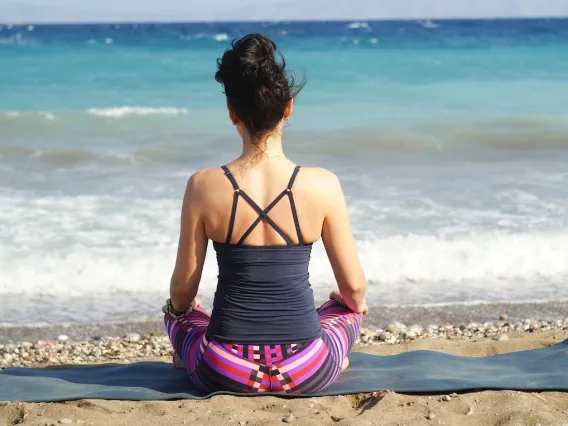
[357, 284]
[358, 291]
[354, 290]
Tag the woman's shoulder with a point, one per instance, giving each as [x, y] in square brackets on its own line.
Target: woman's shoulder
[205, 177]
[321, 180]
[202, 182]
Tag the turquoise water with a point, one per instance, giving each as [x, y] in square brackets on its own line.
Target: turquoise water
[450, 137]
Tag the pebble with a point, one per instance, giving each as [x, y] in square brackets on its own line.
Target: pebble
[134, 346]
[7, 359]
[446, 398]
[431, 415]
[65, 421]
[469, 411]
[398, 333]
[242, 423]
[504, 317]
[132, 338]
[396, 327]
[288, 419]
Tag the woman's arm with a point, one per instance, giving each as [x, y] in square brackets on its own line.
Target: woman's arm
[341, 249]
[192, 248]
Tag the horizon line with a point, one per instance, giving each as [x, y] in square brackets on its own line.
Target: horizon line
[263, 21]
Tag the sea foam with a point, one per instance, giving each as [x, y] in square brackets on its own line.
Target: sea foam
[118, 112]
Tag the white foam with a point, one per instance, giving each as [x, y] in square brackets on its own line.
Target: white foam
[357, 25]
[47, 115]
[483, 258]
[15, 39]
[429, 24]
[17, 114]
[118, 112]
[111, 244]
[221, 37]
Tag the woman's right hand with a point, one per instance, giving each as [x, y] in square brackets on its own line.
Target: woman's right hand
[336, 295]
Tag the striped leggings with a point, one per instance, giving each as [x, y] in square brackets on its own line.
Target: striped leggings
[290, 368]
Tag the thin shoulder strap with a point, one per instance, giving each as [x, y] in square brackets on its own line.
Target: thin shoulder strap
[231, 178]
[293, 178]
[293, 205]
[235, 202]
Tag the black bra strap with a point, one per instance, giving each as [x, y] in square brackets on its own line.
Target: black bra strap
[295, 216]
[235, 203]
[293, 205]
[231, 178]
[293, 178]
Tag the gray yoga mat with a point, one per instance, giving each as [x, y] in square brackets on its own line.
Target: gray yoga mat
[411, 372]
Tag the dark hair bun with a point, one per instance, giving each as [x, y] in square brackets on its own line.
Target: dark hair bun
[256, 83]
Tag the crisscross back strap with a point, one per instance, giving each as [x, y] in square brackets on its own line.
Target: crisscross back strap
[262, 214]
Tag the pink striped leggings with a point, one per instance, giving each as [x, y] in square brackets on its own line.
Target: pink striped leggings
[291, 368]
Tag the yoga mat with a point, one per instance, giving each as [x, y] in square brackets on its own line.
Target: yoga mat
[411, 372]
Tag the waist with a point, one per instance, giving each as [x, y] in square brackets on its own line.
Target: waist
[247, 313]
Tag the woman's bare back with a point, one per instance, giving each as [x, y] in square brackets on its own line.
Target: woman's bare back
[312, 190]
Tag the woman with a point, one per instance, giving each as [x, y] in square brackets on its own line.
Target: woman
[263, 213]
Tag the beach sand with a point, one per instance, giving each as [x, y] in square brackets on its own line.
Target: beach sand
[383, 408]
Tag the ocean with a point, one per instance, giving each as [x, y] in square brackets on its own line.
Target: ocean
[450, 139]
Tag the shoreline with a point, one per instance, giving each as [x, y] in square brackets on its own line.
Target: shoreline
[134, 346]
[378, 317]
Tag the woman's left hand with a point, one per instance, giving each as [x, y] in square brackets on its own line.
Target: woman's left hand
[336, 295]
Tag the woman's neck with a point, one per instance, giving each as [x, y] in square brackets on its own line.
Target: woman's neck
[263, 151]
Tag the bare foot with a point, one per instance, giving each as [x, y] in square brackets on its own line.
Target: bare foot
[177, 362]
[345, 365]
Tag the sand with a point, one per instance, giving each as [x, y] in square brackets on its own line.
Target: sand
[383, 408]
